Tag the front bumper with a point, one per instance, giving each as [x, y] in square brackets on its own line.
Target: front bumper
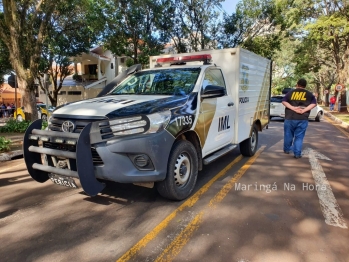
[115, 156]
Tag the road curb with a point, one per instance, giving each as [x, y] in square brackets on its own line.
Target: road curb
[337, 120]
[10, 155]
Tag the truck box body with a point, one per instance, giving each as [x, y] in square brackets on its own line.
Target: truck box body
[248, 77]
[158, 126]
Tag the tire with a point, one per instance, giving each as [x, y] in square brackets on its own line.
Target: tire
[19, 118]
[44, 117]
[318, 117]
[248, 147]
[183, 159]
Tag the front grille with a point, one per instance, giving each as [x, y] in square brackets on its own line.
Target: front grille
[56, 124]
[96, 159]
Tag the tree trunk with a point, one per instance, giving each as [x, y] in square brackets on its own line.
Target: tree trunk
[29, 100]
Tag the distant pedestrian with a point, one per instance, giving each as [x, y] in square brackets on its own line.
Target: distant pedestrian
[332, 103]
[9, 110]
[298, 103]
[3, 110]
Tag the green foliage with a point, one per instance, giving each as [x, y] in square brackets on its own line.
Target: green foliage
[5, 64]
[129, 62]
[4, 144]
[44, 125]
[13, 126]
[131, 28]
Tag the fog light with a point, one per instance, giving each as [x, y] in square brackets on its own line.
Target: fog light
[141, 160]
[59, 140]
[33, 137]
[45, 138]
[71, 142]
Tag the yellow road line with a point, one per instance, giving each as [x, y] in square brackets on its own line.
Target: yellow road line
[180, 241]
[188, 203]
[336, 125]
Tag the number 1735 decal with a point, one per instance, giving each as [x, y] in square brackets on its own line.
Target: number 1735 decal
[184, 120]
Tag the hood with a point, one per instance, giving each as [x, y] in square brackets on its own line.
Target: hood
[119, 105]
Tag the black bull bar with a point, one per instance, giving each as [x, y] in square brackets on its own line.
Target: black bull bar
[81, 160]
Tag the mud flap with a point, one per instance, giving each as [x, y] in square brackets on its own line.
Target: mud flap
[85, 164]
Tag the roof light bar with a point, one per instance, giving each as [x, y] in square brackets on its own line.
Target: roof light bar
[183, 59]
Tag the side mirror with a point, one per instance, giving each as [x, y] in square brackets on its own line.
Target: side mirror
[212, 91]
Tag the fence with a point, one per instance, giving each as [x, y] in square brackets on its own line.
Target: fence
[7, 112]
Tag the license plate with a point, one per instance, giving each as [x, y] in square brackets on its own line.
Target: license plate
[63, 181]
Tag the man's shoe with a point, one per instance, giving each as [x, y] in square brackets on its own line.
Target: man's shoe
[296, 157]
[286, 152]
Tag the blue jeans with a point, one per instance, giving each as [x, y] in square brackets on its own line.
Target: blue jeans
[331, 107]
[294, 132]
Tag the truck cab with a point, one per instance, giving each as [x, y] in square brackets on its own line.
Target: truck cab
[158, 127]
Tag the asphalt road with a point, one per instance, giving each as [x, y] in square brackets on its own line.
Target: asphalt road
[271, 207]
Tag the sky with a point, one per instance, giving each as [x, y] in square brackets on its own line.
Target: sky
[229, 6]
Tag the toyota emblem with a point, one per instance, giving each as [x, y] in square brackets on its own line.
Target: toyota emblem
[68, 126]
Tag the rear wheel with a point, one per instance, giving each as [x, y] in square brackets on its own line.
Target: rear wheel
[318, 117]
[248, 147]
[182, 171]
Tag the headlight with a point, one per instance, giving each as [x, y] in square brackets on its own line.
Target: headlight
[137, 124]
[158, 121]
[128, 126]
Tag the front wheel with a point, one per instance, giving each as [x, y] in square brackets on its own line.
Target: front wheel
[182, 172]
[248, 147]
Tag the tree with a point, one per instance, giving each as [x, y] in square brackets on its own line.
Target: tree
[172, 26]
[261, 25]
[326, 22]
[317, 62]
[131, 28]
[23, 29]
[5, 65]
[71, 31]
[199, 18]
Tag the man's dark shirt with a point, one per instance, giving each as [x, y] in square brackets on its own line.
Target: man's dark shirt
[298, 97]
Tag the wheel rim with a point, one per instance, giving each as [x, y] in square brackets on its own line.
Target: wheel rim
[182, 170]
[319, 115]
[19, 118]
[253, 140]
[44, 117]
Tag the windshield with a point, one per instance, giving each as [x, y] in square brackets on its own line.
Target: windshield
[179, 81]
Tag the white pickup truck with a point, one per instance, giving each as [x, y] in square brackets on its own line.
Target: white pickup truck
[158, 126]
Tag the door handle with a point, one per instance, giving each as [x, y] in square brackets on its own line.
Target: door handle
[230, 103]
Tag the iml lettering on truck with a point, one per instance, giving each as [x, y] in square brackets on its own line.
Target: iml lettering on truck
[298, 96]
[223, 123]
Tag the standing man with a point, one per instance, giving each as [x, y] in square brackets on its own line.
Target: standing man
[298, 103]
[332, 102]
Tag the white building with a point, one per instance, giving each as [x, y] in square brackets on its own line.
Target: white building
[94, 71]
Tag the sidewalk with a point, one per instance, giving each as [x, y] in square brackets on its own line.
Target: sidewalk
[332, 115]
